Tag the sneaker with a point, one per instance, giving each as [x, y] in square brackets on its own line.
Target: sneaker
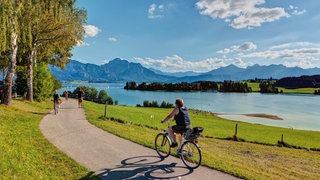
[174, 144]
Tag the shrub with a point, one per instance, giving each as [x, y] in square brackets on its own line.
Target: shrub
[102, 97]
[43, 84]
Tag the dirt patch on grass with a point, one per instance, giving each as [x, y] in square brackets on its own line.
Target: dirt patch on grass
[258, 115]
[261, 115]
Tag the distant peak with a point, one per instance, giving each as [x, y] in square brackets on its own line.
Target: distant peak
[118, 59]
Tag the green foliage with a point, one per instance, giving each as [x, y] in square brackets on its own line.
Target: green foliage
[42, 83]
[56, 83]
[93, 94]
[102, 97]
[164, 104]
[21, 80]
[5, 11]
[154, 104]
[46, 30]
[268, 87]
[146, 103]
[230, 86]
[183, 86]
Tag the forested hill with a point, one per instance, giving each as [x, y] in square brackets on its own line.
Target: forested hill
[115, 70]
[299, 82]
[119, 70]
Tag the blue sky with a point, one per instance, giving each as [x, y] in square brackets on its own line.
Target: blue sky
[201, 35]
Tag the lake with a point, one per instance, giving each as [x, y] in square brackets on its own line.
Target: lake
[297, 111]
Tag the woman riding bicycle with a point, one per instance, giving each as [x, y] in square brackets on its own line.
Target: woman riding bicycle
[183, 123]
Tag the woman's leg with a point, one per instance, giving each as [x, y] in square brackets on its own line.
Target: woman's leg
[172, 135]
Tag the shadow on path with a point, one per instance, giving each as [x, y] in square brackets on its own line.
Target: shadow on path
[145, 167]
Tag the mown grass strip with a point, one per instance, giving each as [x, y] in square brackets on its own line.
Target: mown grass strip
[242, 159]
[24, 151]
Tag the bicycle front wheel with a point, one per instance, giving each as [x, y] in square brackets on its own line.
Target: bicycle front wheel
[162, 145]
[191, 154]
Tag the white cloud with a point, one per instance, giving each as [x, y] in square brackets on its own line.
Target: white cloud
[299, 54]
[91, 31]
[295, 10]
[155, 11]
[241, 13]
[240, 63]
[247, 46]
[293, 45]
[302, 54]
[177, 64]
[224, 51]
[299, 63]
[112, 39]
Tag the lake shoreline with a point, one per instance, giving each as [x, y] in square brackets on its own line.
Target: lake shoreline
[258, 115]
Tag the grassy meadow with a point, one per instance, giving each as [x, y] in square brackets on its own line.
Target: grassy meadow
[255, 88]
[256, 157]
[25, 153]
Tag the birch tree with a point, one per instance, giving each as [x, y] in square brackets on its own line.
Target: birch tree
[45, 30]
[52, 29]
[9, 17]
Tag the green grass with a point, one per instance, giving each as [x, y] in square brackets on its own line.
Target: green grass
[255, 88]
[24, 151]
[242, 159]
[298, 90]
[215, 126]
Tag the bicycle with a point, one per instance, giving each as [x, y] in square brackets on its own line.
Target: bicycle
[189, 152]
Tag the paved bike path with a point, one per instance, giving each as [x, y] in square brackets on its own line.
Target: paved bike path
[109, 156]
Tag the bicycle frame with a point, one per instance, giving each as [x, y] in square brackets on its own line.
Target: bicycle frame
[183, 135]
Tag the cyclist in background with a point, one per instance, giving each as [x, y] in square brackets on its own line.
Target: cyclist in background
[183, 123]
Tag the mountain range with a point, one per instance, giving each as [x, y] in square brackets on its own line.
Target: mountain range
[119, 70]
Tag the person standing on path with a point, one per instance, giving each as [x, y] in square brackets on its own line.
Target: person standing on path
[56, 99]
[66, 94]
[80, 97]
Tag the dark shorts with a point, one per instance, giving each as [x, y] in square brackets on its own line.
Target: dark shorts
[179, 129]
[80, 99]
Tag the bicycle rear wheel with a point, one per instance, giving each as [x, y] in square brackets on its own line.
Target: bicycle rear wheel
[190, 154]
[162, 145]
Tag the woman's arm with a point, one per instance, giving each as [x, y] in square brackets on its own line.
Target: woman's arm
[175, 111]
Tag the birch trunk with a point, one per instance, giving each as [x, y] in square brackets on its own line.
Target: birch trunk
[8, 81]
[30, 76]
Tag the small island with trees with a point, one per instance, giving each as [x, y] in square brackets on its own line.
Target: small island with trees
[226, 86]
